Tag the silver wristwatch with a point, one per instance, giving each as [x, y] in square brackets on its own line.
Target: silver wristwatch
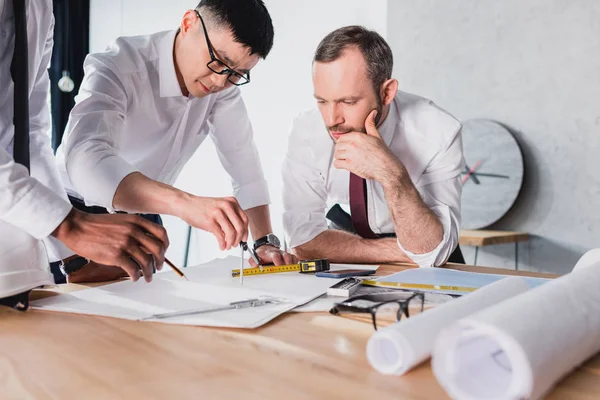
[269, 239]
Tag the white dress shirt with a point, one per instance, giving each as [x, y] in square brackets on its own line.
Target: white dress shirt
[34, 204]
[130, 116]
[425, 138]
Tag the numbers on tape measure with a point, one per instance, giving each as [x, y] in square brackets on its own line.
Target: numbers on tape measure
[266, 270]
[302, 266]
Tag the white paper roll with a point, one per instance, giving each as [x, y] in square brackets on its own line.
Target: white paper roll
[396, 349]
[589, 259]
[520, 348]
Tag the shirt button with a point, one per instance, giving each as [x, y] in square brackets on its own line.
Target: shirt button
[3, 33]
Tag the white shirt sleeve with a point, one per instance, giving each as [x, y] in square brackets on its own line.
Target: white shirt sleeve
[43, 163]
[304, 192]
[233, 138]
[35, 204]
[26, 203]
[440, 188]
[91, 139]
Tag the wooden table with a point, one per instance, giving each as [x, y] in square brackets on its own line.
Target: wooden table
[480, 238]
[46, 355]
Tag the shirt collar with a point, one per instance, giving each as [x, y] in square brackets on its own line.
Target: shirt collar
[388, 127]
[169, 86]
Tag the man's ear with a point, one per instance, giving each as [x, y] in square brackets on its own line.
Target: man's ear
[388, 91]
[188, 21]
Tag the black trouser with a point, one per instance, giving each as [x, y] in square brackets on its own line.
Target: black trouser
[341, 220]
[80, 205]
[18, 301]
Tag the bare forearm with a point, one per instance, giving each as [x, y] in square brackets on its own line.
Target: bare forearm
[342, 247]
[139, 194]
[259, 221]
[418, 229]
[221, 216]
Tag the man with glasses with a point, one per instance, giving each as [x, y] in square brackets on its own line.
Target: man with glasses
[148, 102]
[393, 158]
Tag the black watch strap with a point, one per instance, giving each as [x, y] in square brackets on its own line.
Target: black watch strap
[270, 239]
[73, 264]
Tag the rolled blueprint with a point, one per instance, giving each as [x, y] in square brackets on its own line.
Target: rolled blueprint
[520, 348]
[396, 349]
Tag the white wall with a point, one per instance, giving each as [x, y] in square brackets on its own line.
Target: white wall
[534, 66]
[281, 86]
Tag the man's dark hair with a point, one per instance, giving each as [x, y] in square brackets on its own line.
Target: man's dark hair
[248, 20]
[374, 48]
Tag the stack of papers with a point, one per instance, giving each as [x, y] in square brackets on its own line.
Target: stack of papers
[210, 285]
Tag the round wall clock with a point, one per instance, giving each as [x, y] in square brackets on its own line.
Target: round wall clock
[493, 173]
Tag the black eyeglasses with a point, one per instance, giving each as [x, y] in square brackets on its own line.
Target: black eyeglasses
[381, 306]
[219, 67]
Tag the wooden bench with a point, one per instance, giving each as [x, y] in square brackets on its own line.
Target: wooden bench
[480, 238]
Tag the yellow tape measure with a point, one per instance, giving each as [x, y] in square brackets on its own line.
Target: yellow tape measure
[306, 266]
[417, 286]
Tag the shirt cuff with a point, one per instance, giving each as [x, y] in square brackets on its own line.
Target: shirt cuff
[98, 185]
[39, 211]
[301, 228]
[440, 254]
[56, 249]
[252, 194]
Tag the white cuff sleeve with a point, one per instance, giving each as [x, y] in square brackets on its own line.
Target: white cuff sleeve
[252, 194]
[303, 226]
[98, 183]
[38, 211]
[440, 254]
[56, 249]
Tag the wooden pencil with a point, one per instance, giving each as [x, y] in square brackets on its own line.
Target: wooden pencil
[177, 270]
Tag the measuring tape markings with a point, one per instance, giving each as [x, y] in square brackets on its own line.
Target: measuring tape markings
[303, 267]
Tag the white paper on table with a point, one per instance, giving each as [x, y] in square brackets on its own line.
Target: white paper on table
[210, 285]
[400, 347]
[520, 348]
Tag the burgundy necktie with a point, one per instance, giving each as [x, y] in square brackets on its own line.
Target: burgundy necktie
[358, 207]
[18, 71]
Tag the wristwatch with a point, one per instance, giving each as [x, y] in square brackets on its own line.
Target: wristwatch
[72, 264]
[269, 239]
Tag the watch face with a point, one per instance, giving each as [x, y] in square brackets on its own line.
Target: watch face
[272, 239]
[493, 173]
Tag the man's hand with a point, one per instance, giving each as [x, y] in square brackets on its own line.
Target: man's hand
[367, 155]
[94, 272]
[223, 217]
[127, 241]
[272, 255]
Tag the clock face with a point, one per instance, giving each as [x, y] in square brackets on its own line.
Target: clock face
[493, 174]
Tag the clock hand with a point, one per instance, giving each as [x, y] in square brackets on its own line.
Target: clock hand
[467, 171]
[464, 180]
[473, 175]
[491, 175]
